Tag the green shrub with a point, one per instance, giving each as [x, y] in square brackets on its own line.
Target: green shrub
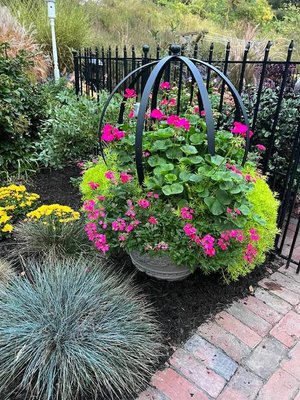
[75, 330]
[22, 108]
[6, 271]
[70, 132]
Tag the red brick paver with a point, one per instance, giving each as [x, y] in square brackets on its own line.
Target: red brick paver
[176, 387]
[287, 331]
[281, 386]
[250, 351]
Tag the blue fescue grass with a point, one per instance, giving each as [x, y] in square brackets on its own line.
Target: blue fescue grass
[75, 330]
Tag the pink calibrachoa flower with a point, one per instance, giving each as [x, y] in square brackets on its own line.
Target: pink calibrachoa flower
[254, 235]
[157, 114]
[124, 177]
[144, 203]
[223, 244]
[250, 253]
[129, 93]
[80, 164]
[165, 85]
[156, 195]
[118, 225]
[189, 230]
[161, 246]
[241, 129]
[122, 238]
[109, 175]
[93, 185]
[152, 220]
[249, 178]
[131, 114]
[101, 244]
[186, 213]
[130, 213]
[93, 215]
[261, 147]
[208, 245]
[89, 205]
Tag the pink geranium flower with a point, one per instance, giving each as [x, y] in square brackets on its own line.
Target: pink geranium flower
[183, 123]
[241, 129]
[189, 230]
[164, 102]
[129, 93]
[157, 114]
[118, 134]
[165, 85]
[172, 102]
[108, 133]
[186, 213]
[261, 147]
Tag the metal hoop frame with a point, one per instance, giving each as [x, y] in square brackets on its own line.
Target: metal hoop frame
[152, 86]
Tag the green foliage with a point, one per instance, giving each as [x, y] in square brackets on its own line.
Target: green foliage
[6, 271]
[265, 205]
[96, 173]
[72, 26]
[37, 238]
[70, 131]
[22, 107]
[75, 330]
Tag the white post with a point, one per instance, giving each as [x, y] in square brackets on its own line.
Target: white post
[51, 15]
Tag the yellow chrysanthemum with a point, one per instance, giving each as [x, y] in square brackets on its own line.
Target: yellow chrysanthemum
[7, 228]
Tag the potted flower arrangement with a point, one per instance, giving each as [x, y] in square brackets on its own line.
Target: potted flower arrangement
[194, 210]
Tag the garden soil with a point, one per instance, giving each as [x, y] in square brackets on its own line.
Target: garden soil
[181, 306]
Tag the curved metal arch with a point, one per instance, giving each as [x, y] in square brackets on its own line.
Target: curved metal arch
[111, 96]
[153, 80]
[237, 101]
[141, 115]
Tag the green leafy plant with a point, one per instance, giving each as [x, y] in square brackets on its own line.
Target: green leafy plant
[83, 332]
[22, 109]
[194, 207]
[70, 131]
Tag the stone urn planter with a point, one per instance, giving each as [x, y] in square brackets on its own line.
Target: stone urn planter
[159, 267]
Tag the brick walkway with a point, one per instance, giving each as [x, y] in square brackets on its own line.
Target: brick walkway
[249, 351]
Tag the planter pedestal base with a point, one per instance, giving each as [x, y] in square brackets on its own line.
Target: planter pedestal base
[160, 267]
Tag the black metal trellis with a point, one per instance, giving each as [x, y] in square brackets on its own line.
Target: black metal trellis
[108, 71]
[152, 86]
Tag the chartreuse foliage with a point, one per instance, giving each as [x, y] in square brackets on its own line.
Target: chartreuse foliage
[74, 331]
[265, 205]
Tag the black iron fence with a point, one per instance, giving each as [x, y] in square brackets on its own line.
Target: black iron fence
[271, 91]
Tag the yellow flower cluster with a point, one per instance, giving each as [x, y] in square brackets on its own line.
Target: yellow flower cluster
[16, 198]
[4, 218]
[55, 212]
[14, 201]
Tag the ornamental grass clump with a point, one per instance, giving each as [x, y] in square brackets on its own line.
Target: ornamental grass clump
[6, 271]
[75, 331]
[202, 211]
[36, 238]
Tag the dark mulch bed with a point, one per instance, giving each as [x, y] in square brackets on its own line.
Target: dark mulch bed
[181, 306]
